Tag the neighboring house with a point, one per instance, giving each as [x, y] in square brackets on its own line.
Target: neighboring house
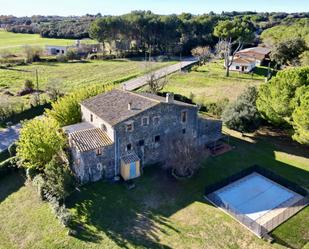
[261, 55]
[57, 50]
[245, 65]
[247, 59]
[123, 131]
[82, 49]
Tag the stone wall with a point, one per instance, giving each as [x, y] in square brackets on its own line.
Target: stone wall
[90, 167]
[97, 122]
[169, 127]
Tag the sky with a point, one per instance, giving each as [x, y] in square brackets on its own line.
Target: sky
[116, 7]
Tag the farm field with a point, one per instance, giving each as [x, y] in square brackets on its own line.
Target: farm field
[68, 76]
[160, 212]
[14, 43]
[208, 82]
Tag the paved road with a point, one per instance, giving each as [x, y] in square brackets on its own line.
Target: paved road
[160, 73]
[8, 136]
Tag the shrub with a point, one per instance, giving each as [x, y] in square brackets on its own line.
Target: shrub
[66, 110]
[62, 58]
[39, 182]
[31, 173]
[39, 140]
[72, 54]
[28, 84]
[32, 53]
[242, 115]
[59, 178]
[217, 108]
[12, 149]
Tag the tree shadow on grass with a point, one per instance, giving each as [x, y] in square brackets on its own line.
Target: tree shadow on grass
[140, 217]
[10, 184]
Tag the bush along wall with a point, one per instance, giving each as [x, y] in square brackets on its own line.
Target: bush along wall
[57, 206]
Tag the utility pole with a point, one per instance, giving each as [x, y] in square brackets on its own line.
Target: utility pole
[37, 87]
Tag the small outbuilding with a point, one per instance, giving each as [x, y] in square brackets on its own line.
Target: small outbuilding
[130, 167]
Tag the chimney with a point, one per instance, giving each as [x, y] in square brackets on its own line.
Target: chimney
[169, 98]
[129, 106]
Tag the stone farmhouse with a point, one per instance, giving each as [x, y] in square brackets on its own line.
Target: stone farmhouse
[123, 131]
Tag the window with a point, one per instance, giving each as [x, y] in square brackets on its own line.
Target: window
[129, 127]
[145, 121]
[104, 127]
[91, 118]
[129, 147]
[237, 67]
[184, 116]
[183, 131]
[157, 139]
[58, 51]
[141, 142]
[156, 120]
[98, 152]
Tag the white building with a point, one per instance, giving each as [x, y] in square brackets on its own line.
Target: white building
[245, 65]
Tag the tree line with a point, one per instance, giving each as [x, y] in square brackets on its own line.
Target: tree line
[143, 30]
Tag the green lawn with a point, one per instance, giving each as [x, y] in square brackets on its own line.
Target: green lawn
[14, 42]
[160, 212]
[208, 83]
[68, 76]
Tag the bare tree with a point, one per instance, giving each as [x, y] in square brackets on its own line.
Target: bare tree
[203, 53]
[184, 156]
[156, 84]
[224, 49]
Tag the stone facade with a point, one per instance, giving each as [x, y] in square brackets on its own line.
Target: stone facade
[144, 133]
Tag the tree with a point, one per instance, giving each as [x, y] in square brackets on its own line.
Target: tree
[230, 33]
[304, 58]
[184, 156]
[300, 116]
[156, 84]
[242, 115]
[288, 52]
[276, 100]
[40, 139]
[32, 53]
[203, 53]
[59, 178]
[73, 54]
[66, 110]
[53, 90]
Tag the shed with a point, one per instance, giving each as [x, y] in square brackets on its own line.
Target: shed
[130, 166]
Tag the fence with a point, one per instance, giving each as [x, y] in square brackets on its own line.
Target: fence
[262, 171]
[258, 229]
[286, 214]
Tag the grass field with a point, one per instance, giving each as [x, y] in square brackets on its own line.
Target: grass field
[160, 212]
[14, 42]
[68, 76]
[208, 83]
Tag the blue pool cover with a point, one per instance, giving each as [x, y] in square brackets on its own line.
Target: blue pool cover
[254, 195]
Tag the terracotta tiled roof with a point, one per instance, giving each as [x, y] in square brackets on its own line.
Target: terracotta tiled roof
[243, 60]
[90, 139]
